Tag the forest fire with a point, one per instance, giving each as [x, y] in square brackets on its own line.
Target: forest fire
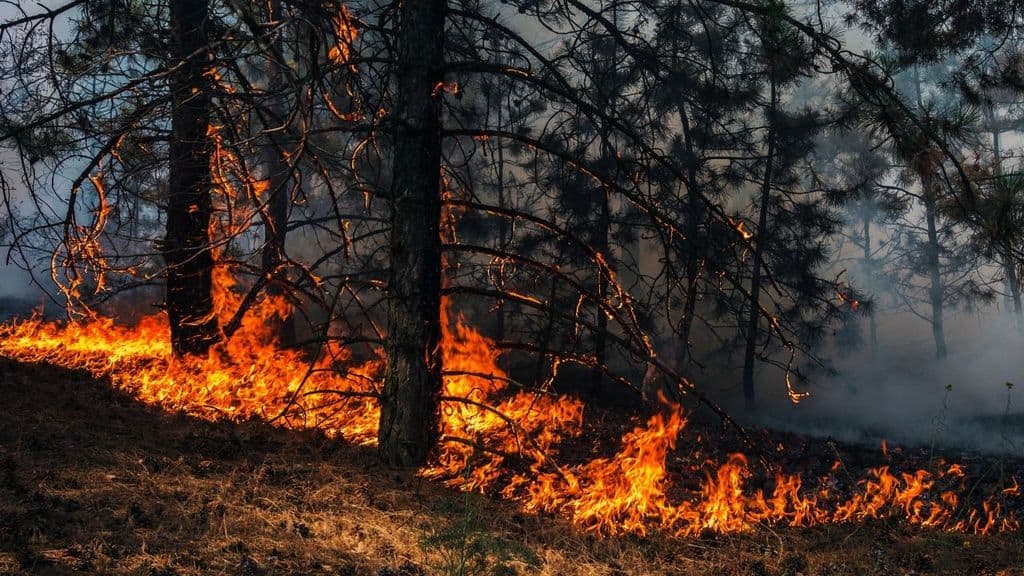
[494, 440]
[660, 205]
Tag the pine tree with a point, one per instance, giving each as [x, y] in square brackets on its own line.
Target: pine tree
[412, 382]
[186, 245]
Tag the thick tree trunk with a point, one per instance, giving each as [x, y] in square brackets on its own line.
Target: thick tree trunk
[277, 173]
[935, 290]
[186, 246]
[412, 387]
[754, 313]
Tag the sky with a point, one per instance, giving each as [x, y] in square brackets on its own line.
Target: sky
[15, 282]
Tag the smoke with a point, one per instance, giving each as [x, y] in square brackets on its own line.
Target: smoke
[905, 395]
[18, 292]
[15, 283]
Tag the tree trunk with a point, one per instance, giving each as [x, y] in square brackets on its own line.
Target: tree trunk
[1010, 281]
[759, 243]
[503, 239]
[412, 387]
[695, 218]
[601, 245]
[935, 290]
[868, 273]
[544, 338]
[1013, 287]
[601, 236]
[277, 170]
[186, 246]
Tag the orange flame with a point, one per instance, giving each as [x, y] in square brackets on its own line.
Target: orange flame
[345, 33]
[508, 440]
[496, 438]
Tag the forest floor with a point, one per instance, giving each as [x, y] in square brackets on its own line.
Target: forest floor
[92, 482]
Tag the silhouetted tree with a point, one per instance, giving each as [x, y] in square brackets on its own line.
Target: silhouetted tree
[186, 246]
[412, 381]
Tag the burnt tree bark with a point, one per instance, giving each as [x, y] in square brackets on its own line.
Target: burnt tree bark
[412, 388]
[186, 245]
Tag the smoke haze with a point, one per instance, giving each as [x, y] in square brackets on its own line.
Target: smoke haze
[906, 396]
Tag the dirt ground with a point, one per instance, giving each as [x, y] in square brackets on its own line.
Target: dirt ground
[92, 482]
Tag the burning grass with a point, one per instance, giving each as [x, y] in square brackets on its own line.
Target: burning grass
[496, 438]
[507, 442]
[92, 481]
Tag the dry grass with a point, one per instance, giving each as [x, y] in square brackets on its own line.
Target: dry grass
[92, 482]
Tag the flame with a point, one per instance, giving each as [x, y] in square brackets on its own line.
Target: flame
[345, 33]
[445, 87]
[241, 379]
[627, 492]
[846, 297]
[1013, 490]
[741, 228]
[496, 438]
